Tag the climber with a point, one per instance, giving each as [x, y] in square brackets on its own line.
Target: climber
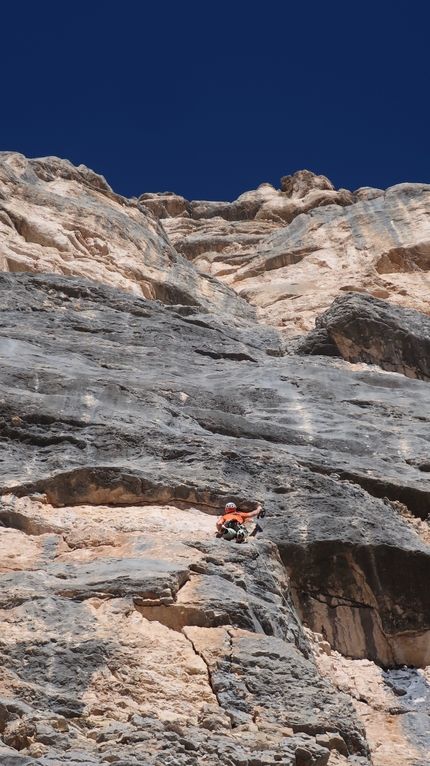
[231, 526]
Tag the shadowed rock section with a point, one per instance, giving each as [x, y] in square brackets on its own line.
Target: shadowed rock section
[362, 328]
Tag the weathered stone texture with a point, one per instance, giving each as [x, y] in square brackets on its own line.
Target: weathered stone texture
[128, 417]
[361, 328]
[393, 704]
[55, 217]
[321, 243]
[107, 398]
[101, 651]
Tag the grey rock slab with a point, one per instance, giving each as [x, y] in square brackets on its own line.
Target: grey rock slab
[141, 578]
[413, 692]
[370, 330]
[244, 585]
[54, 660]
[72, 758]
[10, 757]
[105, 398]
[261, 678]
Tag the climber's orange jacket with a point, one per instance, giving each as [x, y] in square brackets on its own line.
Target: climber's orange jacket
[238, 516]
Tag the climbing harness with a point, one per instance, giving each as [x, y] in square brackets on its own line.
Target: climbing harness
[233, 530]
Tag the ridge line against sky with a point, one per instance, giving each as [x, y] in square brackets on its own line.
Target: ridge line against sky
[210, 100]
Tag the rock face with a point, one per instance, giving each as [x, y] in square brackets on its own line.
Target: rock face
[131, 634]
[109, 401]
[137, 667]
[392, 703]
[299, 193]
[361, 328]
[289, 252]
[57, 218]
[307, 244]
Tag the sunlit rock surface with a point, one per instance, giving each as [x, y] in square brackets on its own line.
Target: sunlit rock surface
[128, 417]
[308, 244]
[55, 217]
[393, 704]
[112, 645]
[288, 252]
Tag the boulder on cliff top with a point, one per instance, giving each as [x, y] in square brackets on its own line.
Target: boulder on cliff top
[304, 181]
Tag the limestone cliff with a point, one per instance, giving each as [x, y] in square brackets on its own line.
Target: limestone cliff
[133, 403]
[57, 218]
[291, 252]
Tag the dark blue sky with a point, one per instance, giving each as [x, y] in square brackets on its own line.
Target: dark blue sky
[210, 98]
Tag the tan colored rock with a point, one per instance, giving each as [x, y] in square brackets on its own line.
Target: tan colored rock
[57, 218]
[380, 709]
[18, 734]
[422, 528]
[218, 245]
[37, 750]
[117, 633]
[165, 204]
[334, 741]
[336, 759]
[285, 208]
[289, 252]
[322, 243]
[16, 555]
[295, 274]
[157, 668]
[303, 182]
